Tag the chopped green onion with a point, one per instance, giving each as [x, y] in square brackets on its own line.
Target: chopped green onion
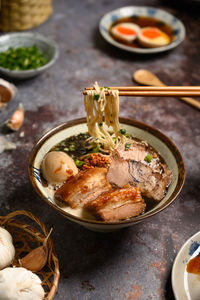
[88, 157]
[22, 58]
[72, 148]
[106, 87]
[122, 131]
[96, 97]
[148, 158]
[95, 150]
[127, 146]
[79, 163]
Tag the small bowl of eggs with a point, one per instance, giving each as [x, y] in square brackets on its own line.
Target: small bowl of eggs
[142, 29]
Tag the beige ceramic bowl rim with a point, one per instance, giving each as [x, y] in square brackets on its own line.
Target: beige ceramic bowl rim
[152, 130]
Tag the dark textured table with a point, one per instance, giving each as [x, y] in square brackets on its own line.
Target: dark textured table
[134, 263]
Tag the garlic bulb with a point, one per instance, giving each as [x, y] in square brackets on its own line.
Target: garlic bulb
[7, 250]
[20, 284]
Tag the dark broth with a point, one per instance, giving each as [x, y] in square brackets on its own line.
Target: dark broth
[143, 22]
[74, 146]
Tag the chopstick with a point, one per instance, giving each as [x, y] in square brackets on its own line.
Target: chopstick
[183, 91]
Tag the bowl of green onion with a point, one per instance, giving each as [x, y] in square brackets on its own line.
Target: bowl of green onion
[25, 55]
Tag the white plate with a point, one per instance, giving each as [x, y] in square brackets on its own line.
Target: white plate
[186, 286]
[132, 11]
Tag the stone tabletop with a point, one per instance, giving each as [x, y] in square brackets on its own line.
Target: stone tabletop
[136, 262]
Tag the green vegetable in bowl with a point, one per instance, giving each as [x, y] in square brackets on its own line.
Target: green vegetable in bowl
[22, 58]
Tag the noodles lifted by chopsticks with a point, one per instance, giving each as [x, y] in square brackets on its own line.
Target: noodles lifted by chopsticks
[101, 108]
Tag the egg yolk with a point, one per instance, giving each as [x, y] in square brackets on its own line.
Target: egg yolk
[124, 30]
[152, 33]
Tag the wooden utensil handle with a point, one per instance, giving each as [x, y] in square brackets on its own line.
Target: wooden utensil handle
[191, 101]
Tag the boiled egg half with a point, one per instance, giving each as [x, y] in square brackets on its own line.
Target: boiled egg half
[57, 167]
[125, 32]
[152, 37]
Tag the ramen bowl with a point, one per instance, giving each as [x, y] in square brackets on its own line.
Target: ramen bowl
[162, 144]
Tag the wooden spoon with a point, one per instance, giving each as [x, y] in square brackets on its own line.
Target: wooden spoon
[147, 78]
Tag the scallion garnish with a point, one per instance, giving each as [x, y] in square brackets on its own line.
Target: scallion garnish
[96, 97]
[79, 163]
[148, 158]
[72, 148]
[95, 150]
[127, 146]
[22, 58]
[122, 131]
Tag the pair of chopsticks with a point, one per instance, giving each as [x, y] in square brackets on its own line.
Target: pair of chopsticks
[148, 91]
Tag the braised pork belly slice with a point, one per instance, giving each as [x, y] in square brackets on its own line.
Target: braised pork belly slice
[139, 151]
[83, 187]
[118, 204]
[136, 151]
[152, 182]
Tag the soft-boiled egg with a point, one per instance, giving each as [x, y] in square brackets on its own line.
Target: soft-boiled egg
[57, 167]
[152, 37]
[125, 32]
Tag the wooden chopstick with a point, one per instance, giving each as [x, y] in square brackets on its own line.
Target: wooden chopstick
[152, 88]
[149, 91]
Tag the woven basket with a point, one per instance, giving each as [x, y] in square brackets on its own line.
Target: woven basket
[17, 15]
[26, 238]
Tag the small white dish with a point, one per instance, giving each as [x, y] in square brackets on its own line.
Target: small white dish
[132, 11]
[186, 286]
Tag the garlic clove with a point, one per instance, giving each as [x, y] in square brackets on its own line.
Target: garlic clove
[17, 119]
[37, 258]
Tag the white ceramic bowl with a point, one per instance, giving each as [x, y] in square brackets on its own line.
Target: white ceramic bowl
[133, 11]
[186, 286]
[139, 130]
[27, 39]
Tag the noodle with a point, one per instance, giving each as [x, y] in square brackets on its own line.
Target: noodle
[102, 108]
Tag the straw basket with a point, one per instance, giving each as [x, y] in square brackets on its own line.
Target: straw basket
[17, 15]
[27, 237]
